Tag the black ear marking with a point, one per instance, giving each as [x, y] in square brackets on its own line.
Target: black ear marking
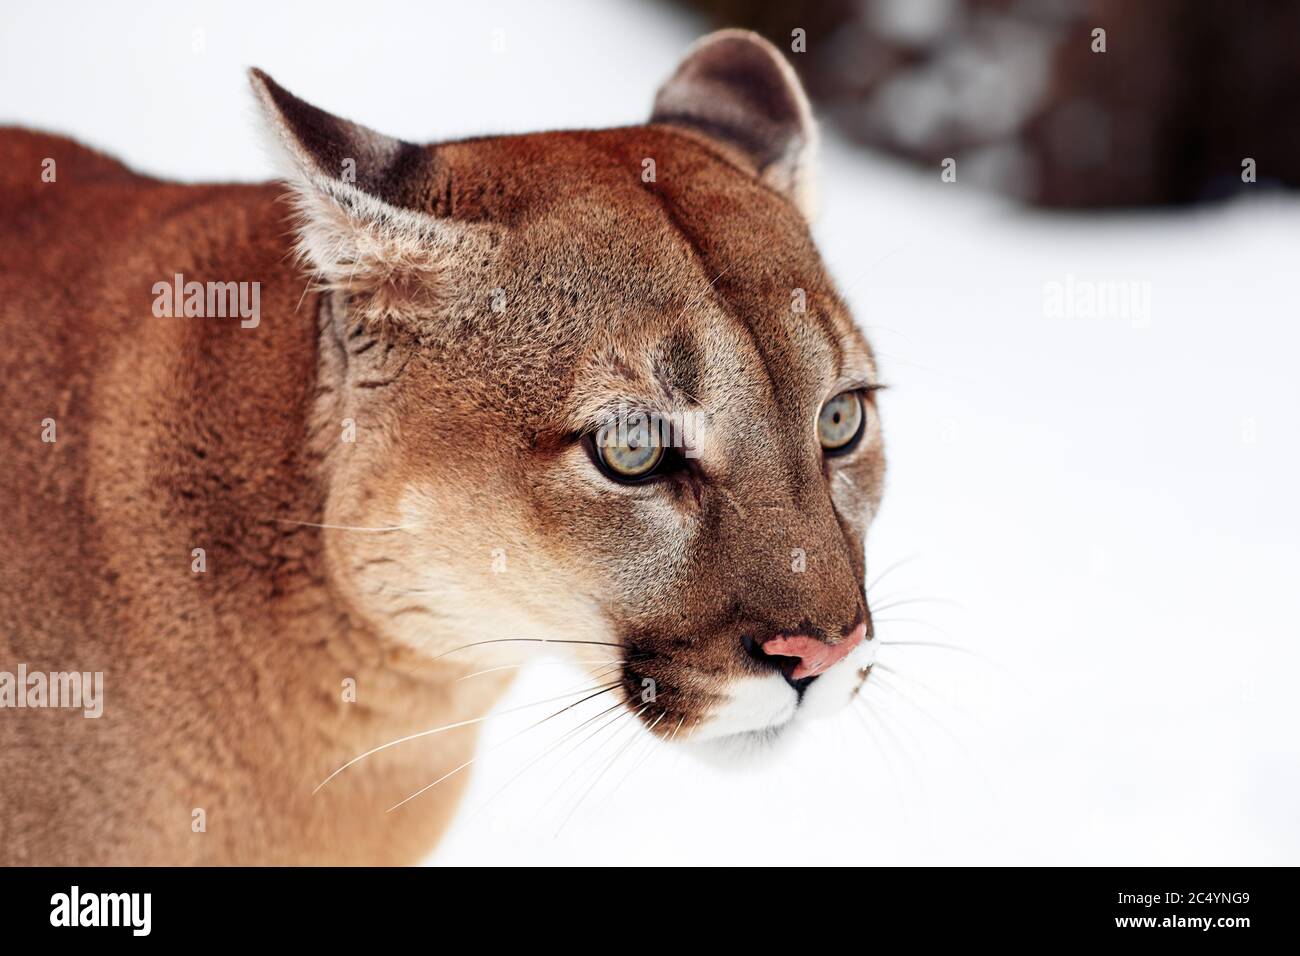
[735, 87]
[373, 216]
[342, 151]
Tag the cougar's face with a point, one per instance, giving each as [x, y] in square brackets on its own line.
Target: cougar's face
[724, 463]
[624, 411]
[666, 440]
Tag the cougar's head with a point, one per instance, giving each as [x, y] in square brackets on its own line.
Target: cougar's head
[602, 393]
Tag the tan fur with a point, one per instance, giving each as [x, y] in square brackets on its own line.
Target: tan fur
[223, 690]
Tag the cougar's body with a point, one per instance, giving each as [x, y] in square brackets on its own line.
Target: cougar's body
[312, 535]
[223, 689]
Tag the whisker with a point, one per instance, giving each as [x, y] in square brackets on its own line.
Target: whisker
[519, 640]
[893, 567]
[892, 736]
[650, 751]
[591, 756]
[900, 602]
[549, 750]
[305, 289]
[601, 773]
[943, 728]
[509, 739]
[862, 713]
[956, 648]
[594, 732]
[506, 667]
[673, 735]
[921, 685]
[342, 527]
[974, 762]
[866, 270]
[928, 625]
[389, 589]
[897, 742]
[705, 291]
[443, 729]
[604, 672]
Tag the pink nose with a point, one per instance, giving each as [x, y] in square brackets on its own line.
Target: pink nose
[814, 656]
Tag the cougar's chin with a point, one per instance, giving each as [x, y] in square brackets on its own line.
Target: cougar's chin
[748, 750]
[753, 706]
[761, 714]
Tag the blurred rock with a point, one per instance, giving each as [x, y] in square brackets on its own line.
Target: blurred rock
[1021, 94]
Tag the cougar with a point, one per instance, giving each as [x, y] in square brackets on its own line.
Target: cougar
[305, 470]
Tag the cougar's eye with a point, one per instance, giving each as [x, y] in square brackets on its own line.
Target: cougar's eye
[628, 457]
[839, 425]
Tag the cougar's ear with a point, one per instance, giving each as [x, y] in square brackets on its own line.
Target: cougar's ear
[736, 87]
[367, 205]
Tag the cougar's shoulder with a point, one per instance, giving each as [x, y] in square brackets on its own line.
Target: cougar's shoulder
[24, 152]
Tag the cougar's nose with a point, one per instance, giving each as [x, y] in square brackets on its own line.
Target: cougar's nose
[801, 657]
